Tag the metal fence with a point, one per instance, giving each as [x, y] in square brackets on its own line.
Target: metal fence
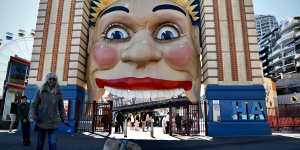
[283, 117]
[188, 119]
[95, 117]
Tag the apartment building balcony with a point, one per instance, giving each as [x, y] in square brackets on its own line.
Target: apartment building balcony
[275, 62]
[289, 64]
[292, 24]
[274, 53]
[288, 48]
[285, 38]
[297, 41]
[297, 56]
[298, 64]
[289, 55]
[277, 69]
[297, 33]
[261, 56]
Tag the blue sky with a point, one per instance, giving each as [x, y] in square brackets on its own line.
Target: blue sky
[278, 8]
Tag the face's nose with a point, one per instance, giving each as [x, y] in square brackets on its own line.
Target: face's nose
[142, 50]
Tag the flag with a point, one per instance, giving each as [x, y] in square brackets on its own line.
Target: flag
[32, 33]
[9, 36]
[21, 33]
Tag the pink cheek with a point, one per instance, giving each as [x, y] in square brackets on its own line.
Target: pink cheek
[179, 56]
[105, 57]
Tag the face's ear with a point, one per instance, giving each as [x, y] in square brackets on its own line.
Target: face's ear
[91, 39]
[196, 39]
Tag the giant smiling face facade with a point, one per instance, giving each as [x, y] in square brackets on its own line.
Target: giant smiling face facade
[143, 49]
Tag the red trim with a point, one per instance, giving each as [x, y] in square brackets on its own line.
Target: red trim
[19, 60]
[133, 83]
[44, 41]
[245, 40]
[218, 41]
[57, 35]
[232, 43]
[15, 86]
[69, 41]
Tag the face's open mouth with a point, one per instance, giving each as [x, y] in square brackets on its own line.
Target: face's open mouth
[144, 87]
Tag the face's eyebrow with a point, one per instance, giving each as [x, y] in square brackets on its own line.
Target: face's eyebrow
[168, 6]
[115, 8]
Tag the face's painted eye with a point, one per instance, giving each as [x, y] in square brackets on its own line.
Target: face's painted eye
[116, 33]
[167, 32]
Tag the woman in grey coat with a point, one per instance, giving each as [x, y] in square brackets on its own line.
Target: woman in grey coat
[47, 111]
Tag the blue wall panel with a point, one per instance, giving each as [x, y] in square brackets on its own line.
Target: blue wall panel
[245, 97]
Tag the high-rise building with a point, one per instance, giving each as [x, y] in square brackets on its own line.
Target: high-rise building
[264, 25]
[282, 57]
[279, 49]
[265, 45]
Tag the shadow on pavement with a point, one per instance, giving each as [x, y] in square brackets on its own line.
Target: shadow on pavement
[85, 142]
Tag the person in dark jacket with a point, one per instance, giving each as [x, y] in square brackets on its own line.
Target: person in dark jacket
[23, 116]
[144, 115]
[47, 111]
[13, 115]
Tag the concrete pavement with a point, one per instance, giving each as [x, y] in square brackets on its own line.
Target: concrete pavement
[88, 141]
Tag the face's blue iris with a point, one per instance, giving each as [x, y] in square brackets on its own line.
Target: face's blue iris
[167, 35]
[117, 35]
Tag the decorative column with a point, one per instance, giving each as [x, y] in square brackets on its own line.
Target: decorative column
[60, 46]
[231, 70]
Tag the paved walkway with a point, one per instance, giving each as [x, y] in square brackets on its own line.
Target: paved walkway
[162, 141]
[139, 135]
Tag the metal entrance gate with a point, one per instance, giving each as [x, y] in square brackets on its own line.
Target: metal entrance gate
[187, 118]
[96, 117]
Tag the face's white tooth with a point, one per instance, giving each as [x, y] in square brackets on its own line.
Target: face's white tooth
[169, 93]
[153, 94]
[179, 91]
[139, 94]
[108, 89]
[160, 93]
[115, 92]
[119, 92]
[130, 94]
[147, 93]
[173, 93]
[124, 93]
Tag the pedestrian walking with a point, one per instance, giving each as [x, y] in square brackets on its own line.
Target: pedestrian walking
[143, 121]
[120, 120]
[23, 116]
[48, 111]
[148, 122]
[13, 115]
[132, 121]
[137, 121]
